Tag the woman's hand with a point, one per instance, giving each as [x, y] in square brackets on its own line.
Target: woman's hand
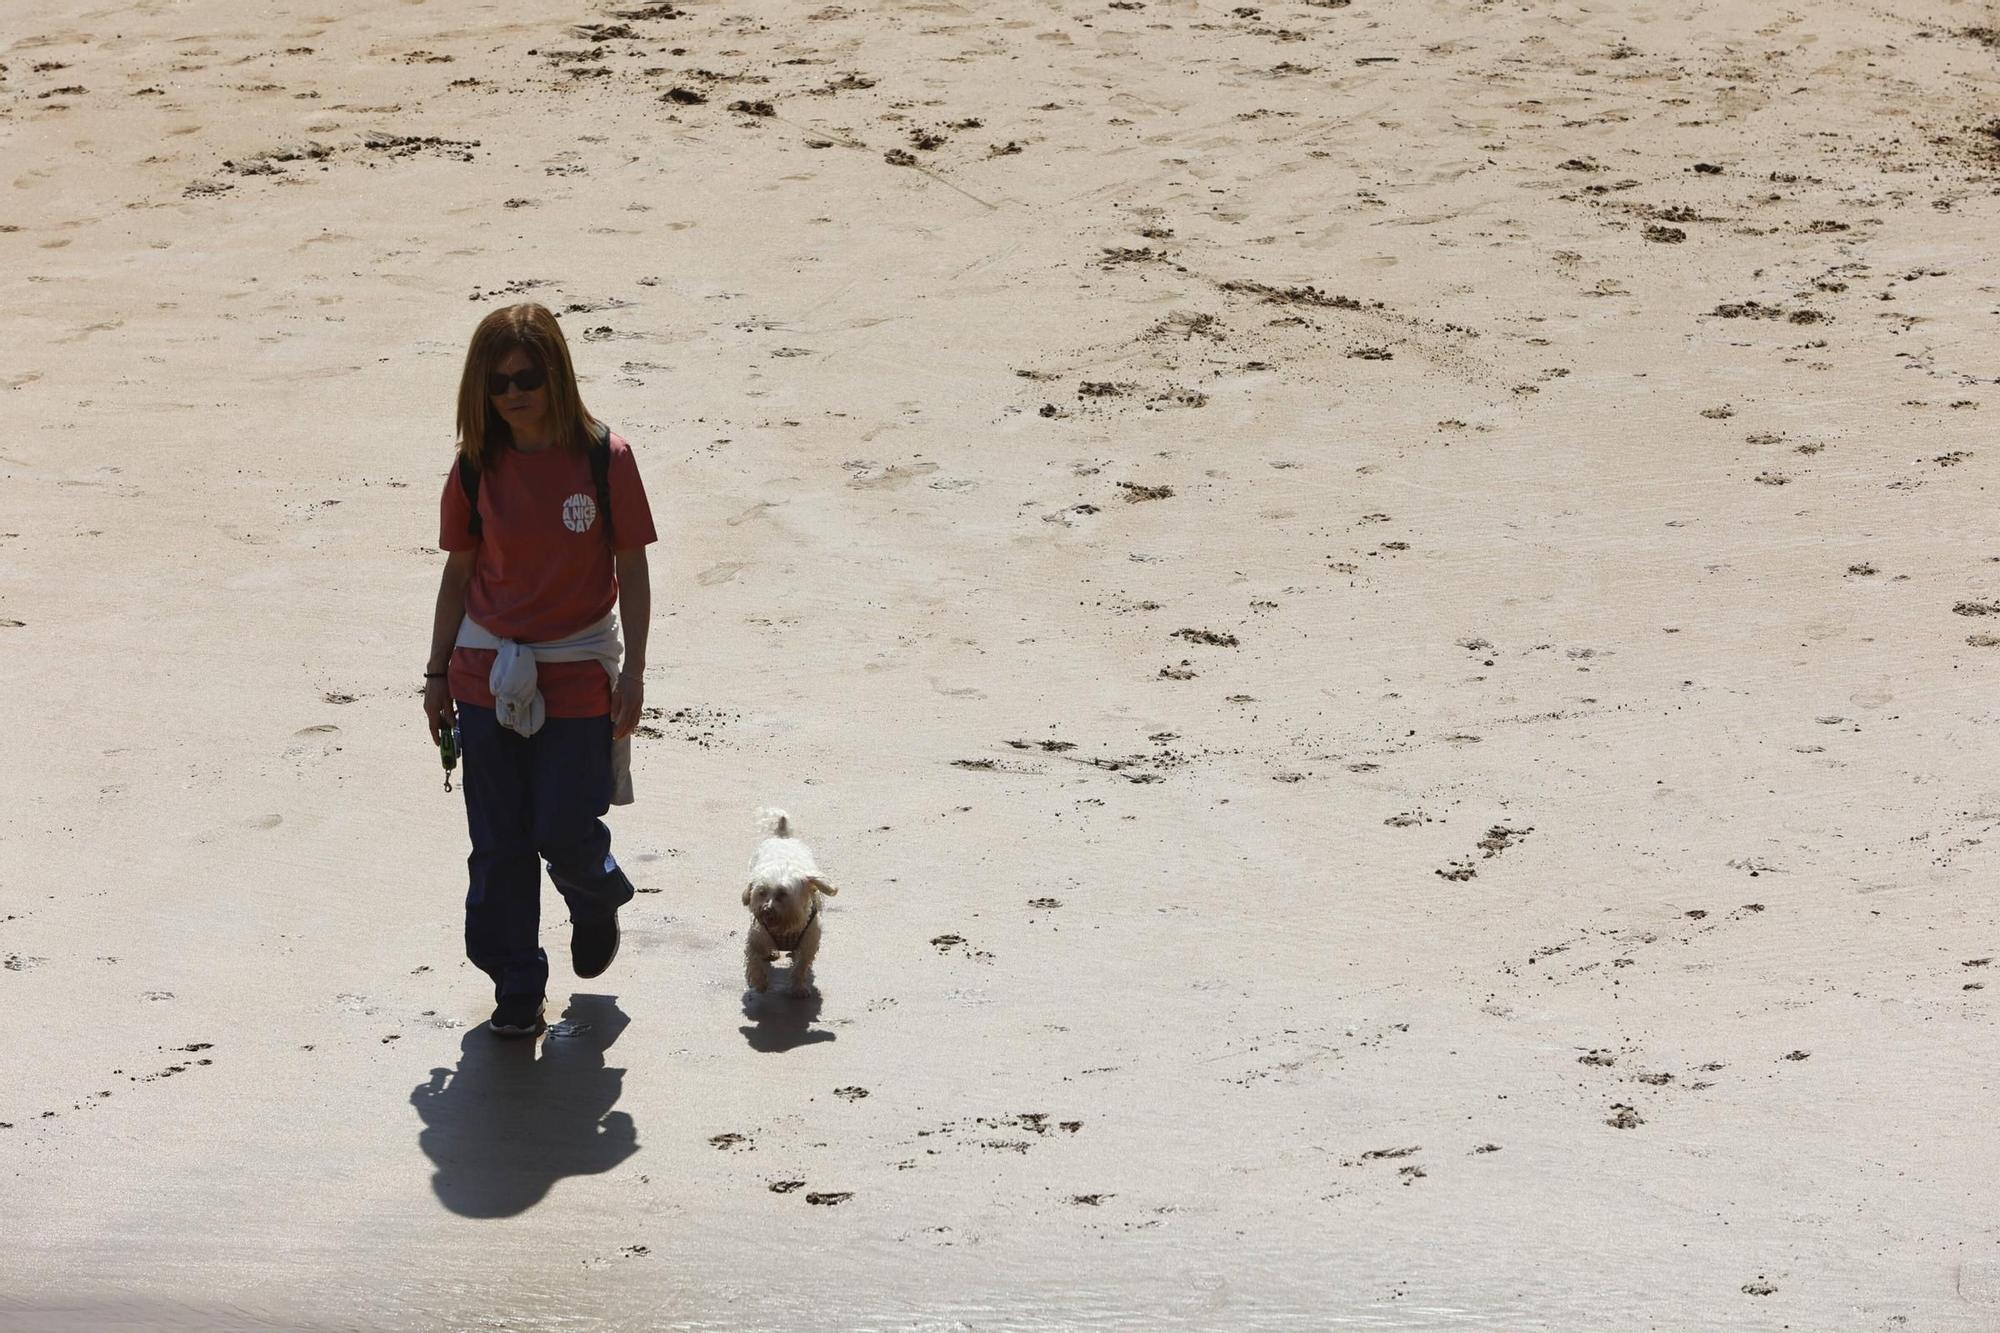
[439, 714]
[437, 707]
[628, 698]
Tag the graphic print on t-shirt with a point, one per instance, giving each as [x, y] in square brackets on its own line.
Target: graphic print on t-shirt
[579, 512]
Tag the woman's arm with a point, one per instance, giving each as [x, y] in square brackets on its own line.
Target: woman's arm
[635, 615]
[444, 633]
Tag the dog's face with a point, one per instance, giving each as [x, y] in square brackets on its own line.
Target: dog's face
[783, 904]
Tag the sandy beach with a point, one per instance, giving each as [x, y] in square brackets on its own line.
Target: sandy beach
[1385, 615]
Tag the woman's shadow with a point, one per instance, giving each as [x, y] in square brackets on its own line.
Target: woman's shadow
[517, 1116]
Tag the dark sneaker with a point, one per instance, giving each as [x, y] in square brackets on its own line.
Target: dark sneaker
[517, 1016]
[592, 945]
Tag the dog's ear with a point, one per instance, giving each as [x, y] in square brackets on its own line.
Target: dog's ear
[819, 885]
[746, 893]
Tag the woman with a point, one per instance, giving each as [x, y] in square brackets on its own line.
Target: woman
[543, 536]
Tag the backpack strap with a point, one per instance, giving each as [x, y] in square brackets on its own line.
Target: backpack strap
[600, 472]
[468, 481]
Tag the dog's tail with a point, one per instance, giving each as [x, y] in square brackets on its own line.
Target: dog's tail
[775, 822]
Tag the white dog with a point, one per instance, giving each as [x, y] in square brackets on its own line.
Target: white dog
[783, 898]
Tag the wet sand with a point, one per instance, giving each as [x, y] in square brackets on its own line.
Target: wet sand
[1384, 615]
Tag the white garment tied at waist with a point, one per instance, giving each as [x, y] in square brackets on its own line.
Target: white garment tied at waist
[517, 697]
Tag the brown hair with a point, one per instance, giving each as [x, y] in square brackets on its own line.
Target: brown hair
[532, 329]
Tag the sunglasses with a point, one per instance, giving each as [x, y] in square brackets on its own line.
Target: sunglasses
[527, 381]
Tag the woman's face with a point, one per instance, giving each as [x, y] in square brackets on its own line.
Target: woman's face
[524, 410]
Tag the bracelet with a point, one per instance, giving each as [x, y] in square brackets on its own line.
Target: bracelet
[436, 675]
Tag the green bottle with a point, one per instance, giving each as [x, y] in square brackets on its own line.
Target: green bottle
[448, 751]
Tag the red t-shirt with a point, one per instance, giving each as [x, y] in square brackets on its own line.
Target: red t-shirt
[543, 570]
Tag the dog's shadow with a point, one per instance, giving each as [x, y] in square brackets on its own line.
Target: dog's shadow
[781, 1021]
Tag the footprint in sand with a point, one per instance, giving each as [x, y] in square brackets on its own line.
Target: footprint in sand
[871, 476]
[725, 572]
[1979, 1282]
[307, 740]
[102, 326]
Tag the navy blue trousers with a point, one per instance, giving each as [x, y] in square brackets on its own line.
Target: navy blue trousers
[530, 799]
